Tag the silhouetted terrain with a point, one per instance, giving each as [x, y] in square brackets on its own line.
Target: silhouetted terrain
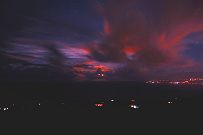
[82, 96]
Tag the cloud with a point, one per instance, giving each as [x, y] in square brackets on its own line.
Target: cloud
[148, 38]
[139, 39]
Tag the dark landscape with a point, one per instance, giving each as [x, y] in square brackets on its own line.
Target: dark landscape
[88, 96]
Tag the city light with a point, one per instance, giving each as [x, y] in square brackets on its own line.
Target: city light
[134, 106]
[99, 105]
[100, 75]
[132, 100]
[190, 81]
[170, 102]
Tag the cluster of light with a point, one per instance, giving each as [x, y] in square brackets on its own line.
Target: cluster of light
[190, 81]
[102, 75]
[196, 79]
[4, 109]
[175, 83]
[134, 107]
[150, 82]
[170, 102]
[99, 105]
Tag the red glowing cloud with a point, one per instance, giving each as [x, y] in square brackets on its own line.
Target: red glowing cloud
[141, 41]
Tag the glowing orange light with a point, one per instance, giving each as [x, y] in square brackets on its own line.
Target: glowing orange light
[102, 68]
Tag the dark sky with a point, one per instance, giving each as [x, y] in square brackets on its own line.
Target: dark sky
[83, 40]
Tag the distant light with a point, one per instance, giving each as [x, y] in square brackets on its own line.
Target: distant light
[99, 105]
[132, 100]
[101, 75]
[134, 106]
[170, 102]
[176, 82]
[39, 104]
[112, 100]
[4, 109]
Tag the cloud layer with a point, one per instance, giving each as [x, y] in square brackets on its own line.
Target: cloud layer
[138, 39]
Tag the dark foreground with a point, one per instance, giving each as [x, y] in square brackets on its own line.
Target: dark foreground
[99, 97]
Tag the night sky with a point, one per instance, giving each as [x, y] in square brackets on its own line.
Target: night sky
[109, 40]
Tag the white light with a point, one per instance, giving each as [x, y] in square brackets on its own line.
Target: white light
[170, 102]
[134, 106]
[4, 109]
[112, 100]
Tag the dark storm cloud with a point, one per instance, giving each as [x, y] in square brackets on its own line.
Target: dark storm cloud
[45, 19]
